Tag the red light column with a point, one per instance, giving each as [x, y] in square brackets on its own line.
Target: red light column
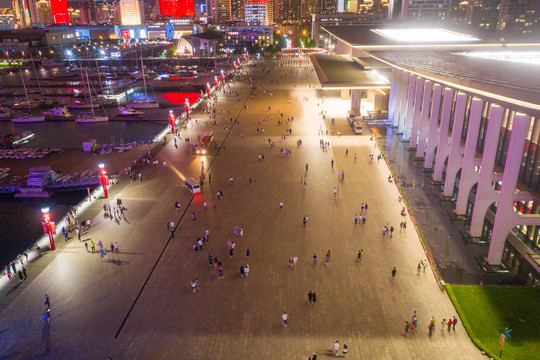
[186, 108]
[59, 9]
[172, 120]
[48, 227]
[103, 180]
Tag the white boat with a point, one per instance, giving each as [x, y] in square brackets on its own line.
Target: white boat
[143, 105]
[129, 112]
[28, 119]
[58, 113]
[85, 172]
[89, 118]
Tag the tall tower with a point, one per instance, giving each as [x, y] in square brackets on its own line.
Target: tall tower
[59, 9]
[44, 12]
[177, 8]
[256, 12]
[219, 11]
[130, 12]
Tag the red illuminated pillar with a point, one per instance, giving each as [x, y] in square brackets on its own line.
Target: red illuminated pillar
[222, 77]
[208, 90]
[103, 180]
[186, 107]
[48, 227]
[172, 121]
[216, 83]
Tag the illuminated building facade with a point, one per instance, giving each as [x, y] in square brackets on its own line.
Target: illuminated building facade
[130, 12]
[59, 9]
[177, 8]
[425, 10]
[257, 12]
[44, 12]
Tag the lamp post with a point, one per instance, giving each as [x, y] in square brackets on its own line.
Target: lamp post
[186, 108]
[48, 227]
[208, 90]
[172, 120]
[216, 83]
[222, 77]
[103, 180]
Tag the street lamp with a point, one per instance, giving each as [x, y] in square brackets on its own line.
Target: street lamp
[172, 120]
[208, 90]
[186, 107]
[103, 180]
[222, 77]
[216, 83]
[48, 227]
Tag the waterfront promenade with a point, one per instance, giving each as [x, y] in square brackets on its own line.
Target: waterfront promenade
[139, 304]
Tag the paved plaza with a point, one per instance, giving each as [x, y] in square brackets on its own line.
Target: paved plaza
[139, 303]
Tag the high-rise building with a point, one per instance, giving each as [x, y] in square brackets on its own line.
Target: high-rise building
[519, 16]
[237, 10]
[425, 10]
[59, 9]
[483, 13]
[256, 12]
[6, 21]
[177, 8]
[219, 11]
[22, 12]
[326, 7]
[290, 10]
[270, 11]
[44, 12]
[130, 12]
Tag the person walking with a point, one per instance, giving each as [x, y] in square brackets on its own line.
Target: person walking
[407, 327]
[92, 245]
[314, 259]
[285, 319]
[86, 246]
[335, 348]
[310, 297]
[327, 258]
[332, 162]
[305, 220]
[314, 297]
[359, 255]
[394, 273]
[454, 320]
[449, 324]
[418, 268]
[47, 301]
[431, 326]
[294, 261]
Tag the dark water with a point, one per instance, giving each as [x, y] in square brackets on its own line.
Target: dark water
[20, 220]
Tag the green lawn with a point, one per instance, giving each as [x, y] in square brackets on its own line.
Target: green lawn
[486, 311]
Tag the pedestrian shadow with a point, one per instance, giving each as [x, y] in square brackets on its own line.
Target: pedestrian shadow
[126, 220]
[118, 262]
[14, 288]
[130, 253]
[46, 338]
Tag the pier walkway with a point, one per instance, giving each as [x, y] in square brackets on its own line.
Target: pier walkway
[138, 304]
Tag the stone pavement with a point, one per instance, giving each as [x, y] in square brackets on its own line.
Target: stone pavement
[455, 257]
[139, 304]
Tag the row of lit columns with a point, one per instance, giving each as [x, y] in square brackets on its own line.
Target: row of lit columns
[414, 108]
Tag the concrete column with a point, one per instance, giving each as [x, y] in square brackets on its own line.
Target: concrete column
[423, 91]
[432, 135]
[469, 176]
[454, 156]
[403, 102]
[405, 126]
[356, 101]
[506, 218]
[443, 145]
[485, 195]
[392, 100]
[344, 94]
[397, 99]
[423, 127]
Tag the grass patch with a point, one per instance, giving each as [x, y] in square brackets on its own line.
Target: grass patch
[486, 311]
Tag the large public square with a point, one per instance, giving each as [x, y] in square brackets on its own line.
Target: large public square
[138, 304]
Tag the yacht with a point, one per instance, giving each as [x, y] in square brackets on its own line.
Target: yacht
[90, 118]
[24, 105]
[143, 104]
[28, 118]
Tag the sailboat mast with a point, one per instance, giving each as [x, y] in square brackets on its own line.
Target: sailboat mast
[90, 91]
[144, 78]
[25, 92]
